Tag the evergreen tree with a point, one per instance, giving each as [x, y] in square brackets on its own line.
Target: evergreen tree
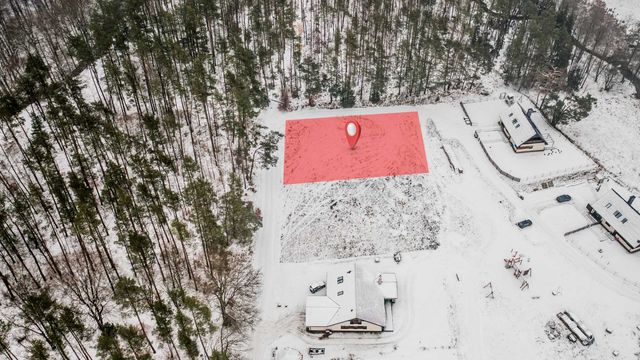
[38, 351]
[563, 110]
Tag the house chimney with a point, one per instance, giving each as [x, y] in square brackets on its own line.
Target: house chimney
[631, 198]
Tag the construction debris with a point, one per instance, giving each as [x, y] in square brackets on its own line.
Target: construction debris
[552, 330]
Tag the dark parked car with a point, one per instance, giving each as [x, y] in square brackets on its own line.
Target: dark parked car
[397, 257]
[316, 351]
[563, 198]
[524, 223]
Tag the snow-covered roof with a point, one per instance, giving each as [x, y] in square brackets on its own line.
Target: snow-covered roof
[388, 285]
[350, 295]
[319, 309]
[518, 125]
[621, 215]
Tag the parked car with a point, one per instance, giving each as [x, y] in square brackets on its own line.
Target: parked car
[524, 223]
[397, 257]
[563, 198]
[316, 351]
[317, 286]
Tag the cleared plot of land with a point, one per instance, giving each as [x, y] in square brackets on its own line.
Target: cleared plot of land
[360, 217]
[316, 149]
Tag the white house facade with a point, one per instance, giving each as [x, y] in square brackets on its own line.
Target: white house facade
[619, 217]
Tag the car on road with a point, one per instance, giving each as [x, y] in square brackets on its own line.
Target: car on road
[563, 198]
[524, 223]
[317, 286]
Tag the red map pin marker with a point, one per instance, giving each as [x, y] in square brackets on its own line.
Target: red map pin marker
[352, 130]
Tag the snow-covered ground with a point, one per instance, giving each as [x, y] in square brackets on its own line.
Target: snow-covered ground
[560, 157]
[627, 10]
[443, 311]
[610, 133]
[350, 218]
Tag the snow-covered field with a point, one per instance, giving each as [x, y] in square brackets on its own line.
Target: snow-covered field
[560, 157]
[627, 10]
[610, 133]
[351, 218]
[443, 311]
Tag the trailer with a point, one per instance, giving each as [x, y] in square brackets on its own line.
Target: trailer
[582, 327]
[576, 327]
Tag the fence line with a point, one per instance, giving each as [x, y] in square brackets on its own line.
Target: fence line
[496, 165]
[581, 228]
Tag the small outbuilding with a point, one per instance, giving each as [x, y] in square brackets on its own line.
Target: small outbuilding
[522, 133]
[619, 217]
[354, 302]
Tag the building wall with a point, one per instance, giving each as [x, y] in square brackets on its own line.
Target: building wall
[346, 326]
[526, 147]
[505, 131]
[612, 230]
[539, 146]
[608, 226]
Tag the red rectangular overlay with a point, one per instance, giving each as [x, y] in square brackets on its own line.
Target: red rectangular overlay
[317, 149]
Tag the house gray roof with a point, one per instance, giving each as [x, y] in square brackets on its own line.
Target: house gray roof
[351, 294]
[518, 125]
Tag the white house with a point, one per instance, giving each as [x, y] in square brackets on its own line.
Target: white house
[619, 217]
[354, 302]
[522, 133]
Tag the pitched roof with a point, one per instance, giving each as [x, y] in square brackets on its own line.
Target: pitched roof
[518, 125]
[614, 209]
[355, 297]
[388, 285]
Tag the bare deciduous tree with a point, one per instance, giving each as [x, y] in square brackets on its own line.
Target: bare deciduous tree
[89, 290]
[235, 285]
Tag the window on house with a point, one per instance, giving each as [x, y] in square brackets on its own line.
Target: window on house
[617, 214]
[355, 322]
[510, 114]
[608, 205]
[340, 292]
[624, 220]
[340, 279]
[514, 121]
[517, 126]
